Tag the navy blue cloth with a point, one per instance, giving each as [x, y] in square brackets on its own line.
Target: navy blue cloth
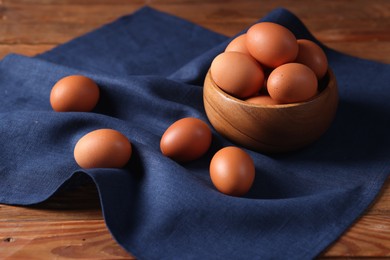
[150, 68]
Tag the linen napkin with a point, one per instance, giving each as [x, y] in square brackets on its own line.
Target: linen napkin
[150, 68]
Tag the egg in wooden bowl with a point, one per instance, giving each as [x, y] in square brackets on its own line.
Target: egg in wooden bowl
[269, 91]
[271, 128]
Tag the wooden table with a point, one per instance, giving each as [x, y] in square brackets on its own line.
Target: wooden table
[70, 224]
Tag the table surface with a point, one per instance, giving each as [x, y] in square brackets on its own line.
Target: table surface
[70, 224]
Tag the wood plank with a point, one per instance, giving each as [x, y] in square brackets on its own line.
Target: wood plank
[59, 240]
[26, 26]
[24, 49]
[31, 23]
[79, 203]
[369, 237]
[49, 24]
[365, 50]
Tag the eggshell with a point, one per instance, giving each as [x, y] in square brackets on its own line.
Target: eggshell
[271, 44]
[186, 139]
[232, 171]
[312, 56]
[74, 93]
[262, 100]
[238, 44]
[237, 74]
[103, 148]
[292, 82]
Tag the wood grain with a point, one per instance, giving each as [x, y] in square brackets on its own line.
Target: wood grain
[70, 225]
[59, 239]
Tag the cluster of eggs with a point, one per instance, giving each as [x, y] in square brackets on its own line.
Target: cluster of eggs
[232, 170]
[269, 65]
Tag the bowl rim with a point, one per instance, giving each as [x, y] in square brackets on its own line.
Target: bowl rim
[330, 84]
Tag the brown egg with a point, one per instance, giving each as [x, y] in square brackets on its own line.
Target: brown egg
[312, 56]
[237, 74]
[74, 93]
[232, 171]
[262, 100]
[186, 139]
[271, 44]
[238, 44]
[292, 82]
[103, 148]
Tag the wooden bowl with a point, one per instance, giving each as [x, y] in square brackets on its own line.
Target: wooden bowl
[271, 128]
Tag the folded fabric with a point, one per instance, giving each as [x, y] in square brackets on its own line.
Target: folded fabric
[150, 68]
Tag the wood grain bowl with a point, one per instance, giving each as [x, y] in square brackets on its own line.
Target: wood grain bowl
[271, 128]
